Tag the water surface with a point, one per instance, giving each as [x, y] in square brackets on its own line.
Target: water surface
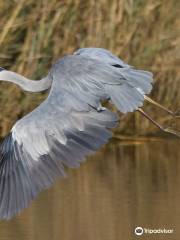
[122, 186]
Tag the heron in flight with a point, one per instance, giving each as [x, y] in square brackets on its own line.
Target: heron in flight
[70, 124]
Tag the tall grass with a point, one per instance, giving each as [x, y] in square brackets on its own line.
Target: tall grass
[33, 34]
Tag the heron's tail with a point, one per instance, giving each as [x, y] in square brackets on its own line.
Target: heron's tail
[129, 96]
[125, 98]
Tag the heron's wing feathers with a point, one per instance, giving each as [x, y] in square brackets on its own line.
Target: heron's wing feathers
[66, 126]
[60, 132]
[94, 79]
[103, 55]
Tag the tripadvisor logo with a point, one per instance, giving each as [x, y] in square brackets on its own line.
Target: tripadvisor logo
[139, 231]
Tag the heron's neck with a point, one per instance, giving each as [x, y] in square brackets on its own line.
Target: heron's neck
[25, 83]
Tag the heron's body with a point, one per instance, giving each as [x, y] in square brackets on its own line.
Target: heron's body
[68, 125]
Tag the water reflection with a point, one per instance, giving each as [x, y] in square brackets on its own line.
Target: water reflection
[120, 187]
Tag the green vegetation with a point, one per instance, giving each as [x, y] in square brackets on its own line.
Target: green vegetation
[36, 33]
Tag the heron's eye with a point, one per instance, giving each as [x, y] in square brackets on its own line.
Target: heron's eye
[117, 65]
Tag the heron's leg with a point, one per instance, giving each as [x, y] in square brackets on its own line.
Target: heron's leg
[174, 114]
[168, 130]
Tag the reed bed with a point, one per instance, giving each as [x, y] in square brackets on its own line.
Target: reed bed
[34, 34]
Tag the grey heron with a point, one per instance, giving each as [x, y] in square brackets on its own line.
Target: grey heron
[70, 124]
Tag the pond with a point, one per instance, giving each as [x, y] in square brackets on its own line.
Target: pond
[124, 185]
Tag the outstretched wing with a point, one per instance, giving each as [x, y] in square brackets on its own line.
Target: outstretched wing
[60, 132]
[66, 127]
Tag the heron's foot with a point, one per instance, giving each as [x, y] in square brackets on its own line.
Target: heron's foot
[172, 131]
[177, 114]
[162, 128]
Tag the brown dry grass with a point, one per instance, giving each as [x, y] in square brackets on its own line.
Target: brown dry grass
[33, 34]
